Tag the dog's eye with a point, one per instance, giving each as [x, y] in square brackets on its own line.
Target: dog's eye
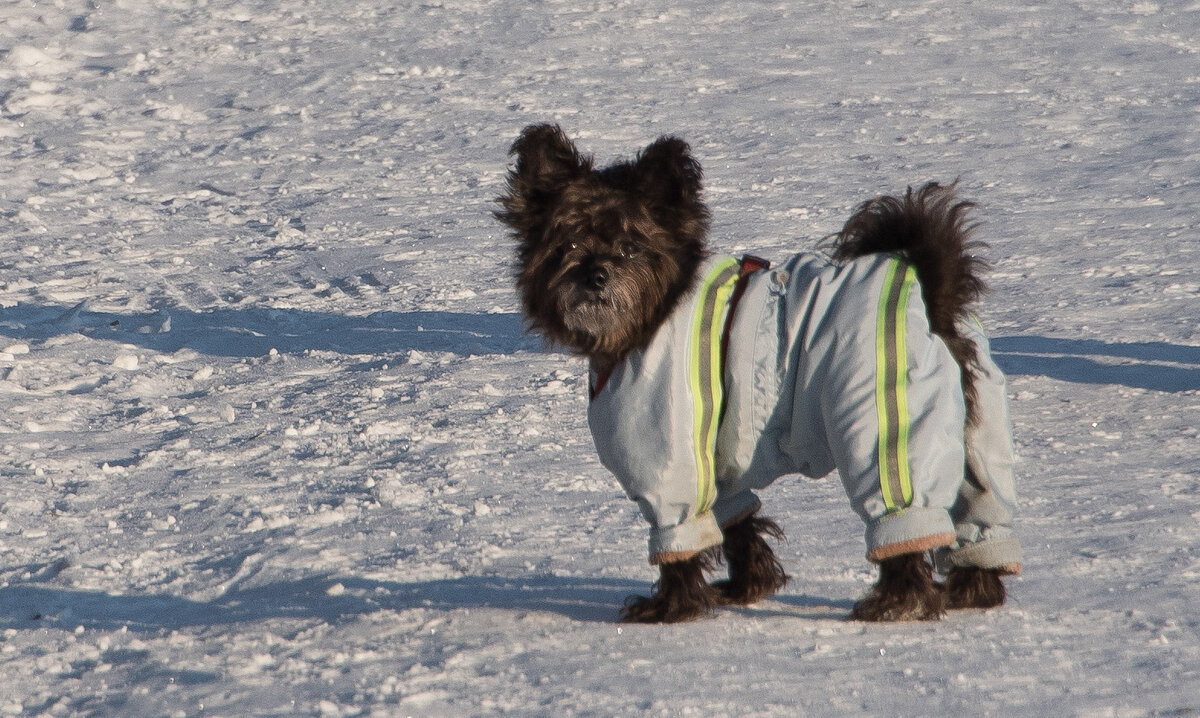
[629, 250]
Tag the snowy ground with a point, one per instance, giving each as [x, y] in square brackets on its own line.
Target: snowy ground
[273, 442]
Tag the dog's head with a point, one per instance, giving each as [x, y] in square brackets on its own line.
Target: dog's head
[603, 255]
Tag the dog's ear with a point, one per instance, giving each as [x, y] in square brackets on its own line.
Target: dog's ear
[670, 181]
[667, 174]
[546, 159]
[546, 162]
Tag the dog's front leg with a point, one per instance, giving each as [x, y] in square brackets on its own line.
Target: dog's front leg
[682, 593]
[905, 591]
[755, 572]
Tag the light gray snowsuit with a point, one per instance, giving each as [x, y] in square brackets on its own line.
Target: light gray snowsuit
[826, 366]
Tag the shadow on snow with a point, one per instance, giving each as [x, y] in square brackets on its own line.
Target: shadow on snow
[590, 600]
[255, 332]
[1145, 365]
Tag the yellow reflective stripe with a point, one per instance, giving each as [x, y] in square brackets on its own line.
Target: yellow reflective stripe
[881, 379]
[704, 374]
[910, 277]
[891, 385]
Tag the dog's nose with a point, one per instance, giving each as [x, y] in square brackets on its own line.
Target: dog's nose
[597, 277]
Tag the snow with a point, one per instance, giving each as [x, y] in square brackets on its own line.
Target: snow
[274, 442]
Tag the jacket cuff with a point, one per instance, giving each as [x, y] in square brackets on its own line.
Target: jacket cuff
[912, 530]
[669, 544]
[728, 510]
[1001, 554]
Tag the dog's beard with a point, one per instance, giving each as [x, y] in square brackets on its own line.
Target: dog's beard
[593, 318]
[604, 322]
[607, 312]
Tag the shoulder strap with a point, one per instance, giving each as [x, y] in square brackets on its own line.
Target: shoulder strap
[750, 265]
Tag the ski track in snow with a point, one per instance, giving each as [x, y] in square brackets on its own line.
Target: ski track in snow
[274, 442]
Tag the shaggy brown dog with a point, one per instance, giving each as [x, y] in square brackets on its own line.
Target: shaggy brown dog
[604, 257]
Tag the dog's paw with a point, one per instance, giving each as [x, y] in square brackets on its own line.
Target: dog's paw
[877, 608]
[755, 573]
[681, 594]
[905, 591]
[660, 609]
[735, 593]
[969, 587]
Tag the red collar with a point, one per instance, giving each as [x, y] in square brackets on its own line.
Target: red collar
[750, 265]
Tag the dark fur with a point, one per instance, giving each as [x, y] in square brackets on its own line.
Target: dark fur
[969, 587]
[905, 591]
[603, 257]
[682, 593]
[754, 571]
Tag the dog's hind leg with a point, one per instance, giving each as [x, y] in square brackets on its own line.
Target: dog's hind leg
[932, 229]
[682, 593]
[905, 591]
[970, 587]
[754, 571]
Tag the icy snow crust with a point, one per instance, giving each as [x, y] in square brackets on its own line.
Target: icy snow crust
[274, 443]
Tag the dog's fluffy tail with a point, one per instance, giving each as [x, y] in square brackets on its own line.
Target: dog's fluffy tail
[931, 229]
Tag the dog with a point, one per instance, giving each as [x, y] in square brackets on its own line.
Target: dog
[711, 377]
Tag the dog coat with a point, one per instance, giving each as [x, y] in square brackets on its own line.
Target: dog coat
[826, 366]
